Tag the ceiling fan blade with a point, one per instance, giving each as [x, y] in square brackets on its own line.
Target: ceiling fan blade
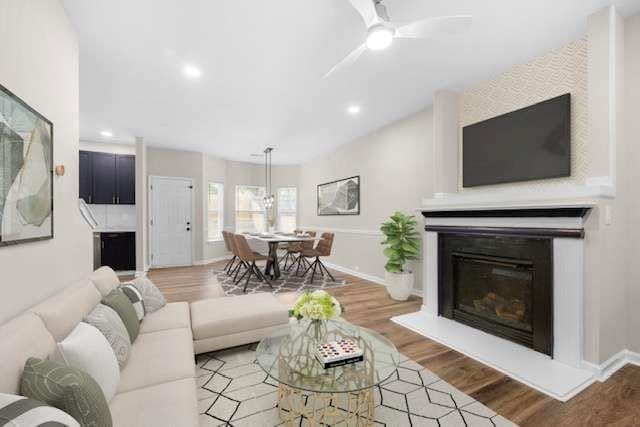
[430, 27]
[347, 60]
[366, 9]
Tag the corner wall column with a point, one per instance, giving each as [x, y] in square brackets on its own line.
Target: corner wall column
[446, 130]
[142, 263]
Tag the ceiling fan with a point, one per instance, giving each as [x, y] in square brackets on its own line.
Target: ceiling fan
[381, 31]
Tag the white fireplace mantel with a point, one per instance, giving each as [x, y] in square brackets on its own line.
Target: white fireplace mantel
[562, 376]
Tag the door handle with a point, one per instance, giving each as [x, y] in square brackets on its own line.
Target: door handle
[118, 199]
[113, 199]
[89, 198]
[188, 228]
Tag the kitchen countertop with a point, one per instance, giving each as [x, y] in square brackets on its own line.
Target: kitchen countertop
[113, 230]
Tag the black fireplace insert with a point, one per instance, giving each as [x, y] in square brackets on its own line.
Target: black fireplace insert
[499, 284]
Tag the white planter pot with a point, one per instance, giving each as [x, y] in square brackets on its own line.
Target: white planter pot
[399, 285]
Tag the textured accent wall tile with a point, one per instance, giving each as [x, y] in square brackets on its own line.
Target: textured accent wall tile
[558, 72]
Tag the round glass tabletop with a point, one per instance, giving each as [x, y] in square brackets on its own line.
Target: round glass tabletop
[288, 356]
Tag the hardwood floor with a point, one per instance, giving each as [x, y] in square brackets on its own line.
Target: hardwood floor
[613, 403]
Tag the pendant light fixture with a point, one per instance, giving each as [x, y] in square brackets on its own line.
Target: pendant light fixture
[268, 198]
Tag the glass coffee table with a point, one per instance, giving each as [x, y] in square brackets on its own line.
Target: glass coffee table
[343, 394]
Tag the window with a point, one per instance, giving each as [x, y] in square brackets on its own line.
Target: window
[214, 211]
[287, 207]
[250, 209]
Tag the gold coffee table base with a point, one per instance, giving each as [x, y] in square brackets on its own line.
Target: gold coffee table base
[357, 407]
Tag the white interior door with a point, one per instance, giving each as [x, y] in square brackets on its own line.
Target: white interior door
[171, 221]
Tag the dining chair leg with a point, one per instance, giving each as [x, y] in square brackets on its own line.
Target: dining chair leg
[234, 272]
[315, 265]
[229, 264]
[323, 267]
[307, 270]
[261, 276]
[246, 283]
[241, 264]
[299, 262]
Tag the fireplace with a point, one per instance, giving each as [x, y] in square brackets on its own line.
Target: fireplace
[500, 284]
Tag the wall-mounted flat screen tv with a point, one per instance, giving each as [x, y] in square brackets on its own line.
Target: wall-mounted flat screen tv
[526, 144]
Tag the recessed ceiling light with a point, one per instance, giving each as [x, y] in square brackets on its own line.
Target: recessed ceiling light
[106, 134]
[353, 109]
[191, 71]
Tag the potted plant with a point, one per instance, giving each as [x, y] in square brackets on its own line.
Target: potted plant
[402, 246]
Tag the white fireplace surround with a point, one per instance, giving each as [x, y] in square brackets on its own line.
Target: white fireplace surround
[565, 374]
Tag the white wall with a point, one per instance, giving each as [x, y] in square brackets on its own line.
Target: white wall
[395, 166]
[40, 65]
[183, 164]
[202, 168]
[632, 177]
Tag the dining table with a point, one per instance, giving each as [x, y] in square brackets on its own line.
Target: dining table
[273, 240]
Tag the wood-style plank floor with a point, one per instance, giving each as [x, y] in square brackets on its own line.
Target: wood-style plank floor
[613, 403]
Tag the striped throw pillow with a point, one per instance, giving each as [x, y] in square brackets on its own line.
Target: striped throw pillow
[135, 297]
[19, 411]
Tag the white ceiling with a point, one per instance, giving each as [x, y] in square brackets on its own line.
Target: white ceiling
[263, 63]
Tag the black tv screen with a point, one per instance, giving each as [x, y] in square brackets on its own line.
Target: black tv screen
[530, 143]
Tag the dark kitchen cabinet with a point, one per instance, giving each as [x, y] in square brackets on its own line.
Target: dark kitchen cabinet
[104, 178]
[118, 250]
[126, 180]
[86, 177]
[107, 179]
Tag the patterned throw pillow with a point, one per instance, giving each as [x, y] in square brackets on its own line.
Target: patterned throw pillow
[151, 295]
[19, 411]
[68, 389]
[107, 321]
[135, 297]
[117, 300]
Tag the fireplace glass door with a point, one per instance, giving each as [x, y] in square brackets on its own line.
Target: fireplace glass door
[498, 290]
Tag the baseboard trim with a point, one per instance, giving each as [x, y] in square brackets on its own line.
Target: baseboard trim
[609, 367]
[365, 276]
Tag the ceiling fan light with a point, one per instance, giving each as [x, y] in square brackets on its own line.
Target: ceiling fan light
[379, 38]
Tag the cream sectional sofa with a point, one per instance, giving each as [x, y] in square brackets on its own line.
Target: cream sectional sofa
[157, 386]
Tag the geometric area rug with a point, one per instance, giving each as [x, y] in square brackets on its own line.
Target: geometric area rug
[287, 282]
[234, 391]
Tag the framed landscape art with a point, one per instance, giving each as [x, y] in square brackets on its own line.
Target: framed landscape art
[340, 197]
[26, 172]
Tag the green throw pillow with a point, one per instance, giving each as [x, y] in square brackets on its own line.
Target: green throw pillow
[117, 300]
[68, 389]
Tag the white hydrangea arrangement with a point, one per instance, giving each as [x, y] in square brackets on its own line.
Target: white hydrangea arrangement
[316, 305]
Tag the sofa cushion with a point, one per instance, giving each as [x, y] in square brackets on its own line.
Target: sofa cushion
[107, 321]
[158, 357]
[88, 350]
[171, 316]
[19, 411]
[68, 389]
[21, 338]
[163, 405]
[224, 316]
[117, 300]
[63, 311]
[105, 280]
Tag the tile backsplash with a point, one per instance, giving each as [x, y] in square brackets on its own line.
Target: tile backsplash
[115, 217]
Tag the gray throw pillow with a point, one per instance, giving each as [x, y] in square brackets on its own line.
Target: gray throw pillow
[135, 297]
[117, 300]
[107, 321]
[151, 296]
[19, 411]
[68, 389]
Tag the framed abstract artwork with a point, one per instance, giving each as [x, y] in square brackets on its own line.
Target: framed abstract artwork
[340, 197]
[26, 172]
